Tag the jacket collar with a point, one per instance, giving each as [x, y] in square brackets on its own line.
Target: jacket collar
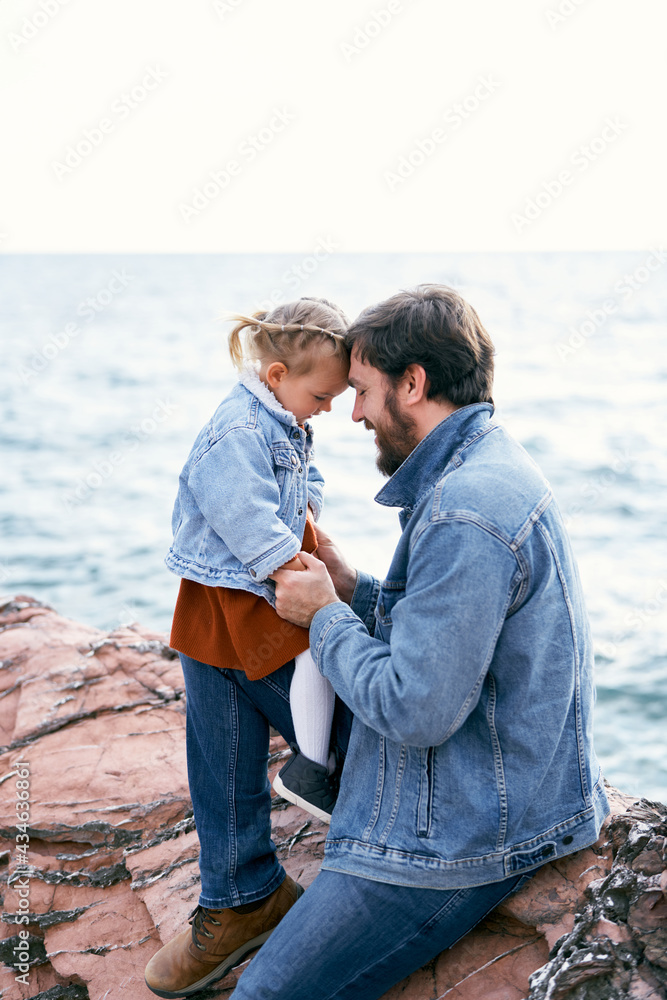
[251, 381]
[426, 463]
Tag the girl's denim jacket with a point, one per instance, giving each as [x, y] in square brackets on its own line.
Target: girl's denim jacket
[469, 671]
[243, 493]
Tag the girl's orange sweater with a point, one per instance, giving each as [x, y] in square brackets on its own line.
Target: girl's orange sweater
[234, 628]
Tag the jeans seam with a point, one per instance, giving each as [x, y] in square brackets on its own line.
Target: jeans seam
[398, 946]
[455, 898]
[276, 687]
[233, 758]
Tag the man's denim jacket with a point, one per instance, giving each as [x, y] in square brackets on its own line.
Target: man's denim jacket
[243, 493]
[470, 674]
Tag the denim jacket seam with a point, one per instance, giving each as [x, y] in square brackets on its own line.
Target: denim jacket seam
[532, 519]
[454, 462]
[286, 542]
[339, 616]
[521, 584]
[400, 769]
[489, 428]
[253, 414]
[498, 764]
[585, 790]
[357, 580]
[456, 459]
[495, 856]
[412, 856]
[469, 518]
[480, 678]
[221, 436]
[369, 611]
[251, 420]
[464, 517]
[379, 789]
[315, 506]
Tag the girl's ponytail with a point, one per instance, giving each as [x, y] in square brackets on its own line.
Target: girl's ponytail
[236, 341]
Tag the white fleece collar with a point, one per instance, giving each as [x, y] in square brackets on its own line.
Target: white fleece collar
[253, 383]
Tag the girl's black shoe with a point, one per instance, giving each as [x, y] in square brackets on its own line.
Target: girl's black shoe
[308, 784]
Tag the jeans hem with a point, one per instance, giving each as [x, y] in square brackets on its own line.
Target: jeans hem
[241, 898]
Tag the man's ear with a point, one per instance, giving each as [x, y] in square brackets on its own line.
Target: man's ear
[414, 384]
[275, 373]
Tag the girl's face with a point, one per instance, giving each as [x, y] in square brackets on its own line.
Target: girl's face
[310, 393]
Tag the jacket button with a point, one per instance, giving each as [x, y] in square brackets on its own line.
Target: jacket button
[295, 434]
[300, 511]
[253, 573]
[568, 839]
[300, 469]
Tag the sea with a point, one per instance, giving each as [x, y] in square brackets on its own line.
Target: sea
[113, 362]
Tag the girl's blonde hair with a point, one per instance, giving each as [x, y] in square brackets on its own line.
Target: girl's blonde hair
[290, 333]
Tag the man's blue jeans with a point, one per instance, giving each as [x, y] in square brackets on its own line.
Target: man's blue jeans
[347, 937]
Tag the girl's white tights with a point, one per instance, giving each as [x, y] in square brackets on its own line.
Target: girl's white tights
[312, 704]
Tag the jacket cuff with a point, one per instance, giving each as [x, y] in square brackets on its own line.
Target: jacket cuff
[323, 620]
[315, 500]
[268, 562]
[365, 598]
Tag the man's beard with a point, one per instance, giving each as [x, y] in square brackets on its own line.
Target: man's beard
[396, 437]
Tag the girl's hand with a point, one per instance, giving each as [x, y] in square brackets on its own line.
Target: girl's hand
[293, 564]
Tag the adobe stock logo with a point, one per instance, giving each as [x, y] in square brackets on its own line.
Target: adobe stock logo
[581, 159]
[88, 309]
[31, 26]
[121, 109]
[451, 119]
[254, 145]
[365, 33]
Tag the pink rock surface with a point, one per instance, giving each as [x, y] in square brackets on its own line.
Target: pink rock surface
[112, 850]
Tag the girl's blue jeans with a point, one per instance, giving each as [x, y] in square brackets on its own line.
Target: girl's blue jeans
[227, 739]
[347, 937]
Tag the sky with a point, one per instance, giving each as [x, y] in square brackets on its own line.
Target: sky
[399, 125]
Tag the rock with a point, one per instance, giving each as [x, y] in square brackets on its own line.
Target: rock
[110, 871]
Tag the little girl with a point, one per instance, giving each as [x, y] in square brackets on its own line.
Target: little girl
[247, 497]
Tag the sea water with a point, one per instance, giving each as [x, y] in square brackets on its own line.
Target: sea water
[112, 363]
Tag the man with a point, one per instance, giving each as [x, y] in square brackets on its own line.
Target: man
[468, 670]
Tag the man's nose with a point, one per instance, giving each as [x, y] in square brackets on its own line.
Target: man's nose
[357, 415]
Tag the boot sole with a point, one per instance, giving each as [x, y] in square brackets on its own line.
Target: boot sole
[220, 971]
[304, 804]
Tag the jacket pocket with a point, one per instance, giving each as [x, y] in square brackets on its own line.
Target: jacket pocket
[286, 463]
[425, 801]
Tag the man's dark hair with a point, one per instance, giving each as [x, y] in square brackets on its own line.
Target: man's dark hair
[432, 326]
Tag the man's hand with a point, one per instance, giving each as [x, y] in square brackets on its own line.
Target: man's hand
[343, 576]
[300, 595]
